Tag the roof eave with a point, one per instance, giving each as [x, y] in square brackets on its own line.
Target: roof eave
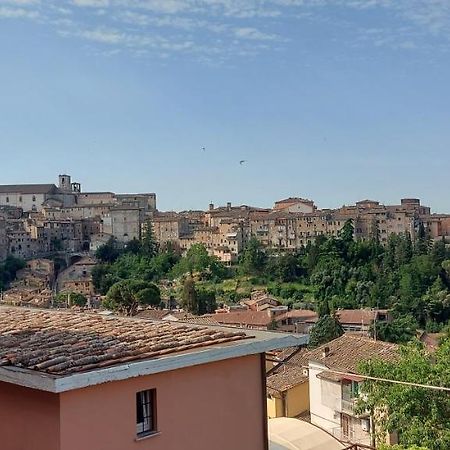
[262, 342]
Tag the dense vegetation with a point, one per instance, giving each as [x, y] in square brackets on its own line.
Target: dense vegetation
[411, 278]
[420, 415]
[70, 299]
[8, 270]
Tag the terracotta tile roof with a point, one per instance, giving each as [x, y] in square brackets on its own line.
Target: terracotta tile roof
[356, 316]
[152, 314]
[28, 189]
[431, 340]
[298, 314]
[290, 374]
[201, 320]
[181, 315]
[61, 343]
[347, 351]
[249, 318]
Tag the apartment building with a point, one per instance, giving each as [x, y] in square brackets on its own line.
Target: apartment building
[334, 386]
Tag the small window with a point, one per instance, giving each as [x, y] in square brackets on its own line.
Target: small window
[7, 199]
[146, 412]
[34, 198]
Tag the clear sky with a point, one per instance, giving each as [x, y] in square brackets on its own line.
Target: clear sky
[334, 100]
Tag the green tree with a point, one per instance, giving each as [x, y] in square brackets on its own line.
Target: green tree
[285, 268]
[347, 232]
[421, 416]
[126, 296]
[253, 259]
[133, 246]
[325, 330]
[323, 308]
[198, 260]
[206, 299]
[103, 278]
[422, 242]
[189, 298]
[149, 246]
[399, 330]
[9, 269]
[108, 252]
[71, 299]
[401, 447]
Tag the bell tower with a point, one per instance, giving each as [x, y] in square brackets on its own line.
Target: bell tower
[65, 183]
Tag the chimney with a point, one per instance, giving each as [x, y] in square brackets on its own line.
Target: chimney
[228, 206]
[326, 352]
[211, 206]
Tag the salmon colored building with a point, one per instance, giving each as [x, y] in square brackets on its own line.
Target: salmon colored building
[72, 381]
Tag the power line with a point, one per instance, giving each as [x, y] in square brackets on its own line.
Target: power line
[367, 377]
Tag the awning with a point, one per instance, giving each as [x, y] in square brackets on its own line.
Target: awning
[337, 377]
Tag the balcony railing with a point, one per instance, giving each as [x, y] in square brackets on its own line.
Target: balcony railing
[348, 406]
[352, 436]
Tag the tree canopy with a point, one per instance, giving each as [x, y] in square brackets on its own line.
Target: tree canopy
[325, 330]
[71, 299]
[420, 415]
[197, 260]
[8, 270]
[126, 296]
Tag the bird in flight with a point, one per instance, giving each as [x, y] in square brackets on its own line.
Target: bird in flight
[203, 149]
[242, 161]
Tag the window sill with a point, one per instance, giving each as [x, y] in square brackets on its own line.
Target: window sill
[147, 436]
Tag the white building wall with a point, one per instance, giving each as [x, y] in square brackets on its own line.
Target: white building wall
[301, 208]
[24, 201]
[325, 400]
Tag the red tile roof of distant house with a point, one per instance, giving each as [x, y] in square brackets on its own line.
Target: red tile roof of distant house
[358, 316]
[355, 316]
[298, 314]
[248, 318]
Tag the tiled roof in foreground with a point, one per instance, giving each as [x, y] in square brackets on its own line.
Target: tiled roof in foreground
[61, 342]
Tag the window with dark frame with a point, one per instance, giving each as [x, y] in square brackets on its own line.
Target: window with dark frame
[146, 412]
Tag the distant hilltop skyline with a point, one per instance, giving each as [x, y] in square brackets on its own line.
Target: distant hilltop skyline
[66, 186]
[36, 219]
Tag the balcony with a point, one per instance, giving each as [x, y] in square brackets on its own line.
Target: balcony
[354, 436]
[348, 406]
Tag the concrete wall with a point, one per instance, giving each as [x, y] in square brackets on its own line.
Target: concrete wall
[29, 419]
[297, 400]
[124, 224]
[274, 407]
[325, 398]
[24, 201]
[214, 406]
[218, 406]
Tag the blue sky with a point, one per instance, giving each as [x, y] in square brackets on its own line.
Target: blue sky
[334, 100]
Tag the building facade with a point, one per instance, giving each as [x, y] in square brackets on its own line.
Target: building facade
[115, 387]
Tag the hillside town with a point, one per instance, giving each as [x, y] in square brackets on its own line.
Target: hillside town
[36, 220]
[104, 297]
